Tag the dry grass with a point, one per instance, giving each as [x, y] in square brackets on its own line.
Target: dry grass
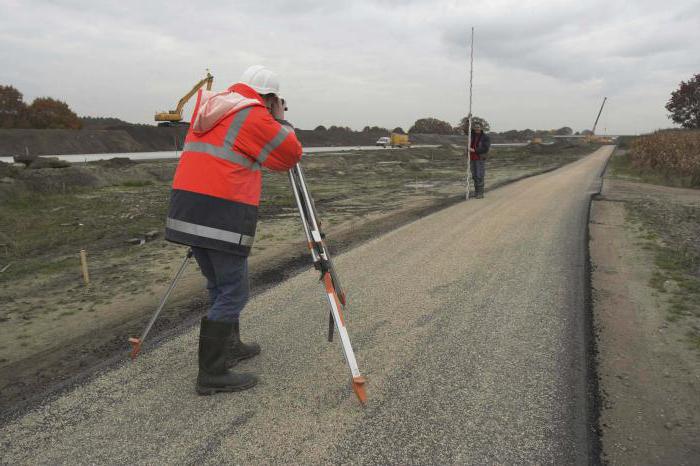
[672, 153]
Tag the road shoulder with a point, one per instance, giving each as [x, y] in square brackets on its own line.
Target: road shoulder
[648, 366]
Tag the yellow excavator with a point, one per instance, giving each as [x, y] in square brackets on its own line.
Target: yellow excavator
[175, 116]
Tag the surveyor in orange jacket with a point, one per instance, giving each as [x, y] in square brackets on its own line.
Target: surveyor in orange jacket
[214, 206]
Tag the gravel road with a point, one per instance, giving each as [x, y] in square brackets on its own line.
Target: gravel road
[470, 325]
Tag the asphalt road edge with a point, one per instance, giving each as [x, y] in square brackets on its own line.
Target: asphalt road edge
[595, 400]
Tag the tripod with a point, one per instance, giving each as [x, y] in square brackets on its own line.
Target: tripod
[323, 263]
[137, 342]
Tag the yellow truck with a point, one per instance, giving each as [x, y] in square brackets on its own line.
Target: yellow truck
[399, 140]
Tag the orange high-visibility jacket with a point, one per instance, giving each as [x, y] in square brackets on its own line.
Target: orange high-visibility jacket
[217, 184]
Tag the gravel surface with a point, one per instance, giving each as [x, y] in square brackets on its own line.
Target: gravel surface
[470, 325]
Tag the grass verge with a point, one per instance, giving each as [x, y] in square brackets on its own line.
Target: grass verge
[671, 230]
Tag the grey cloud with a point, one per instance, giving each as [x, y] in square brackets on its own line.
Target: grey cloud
[350, 62]
[582, 43]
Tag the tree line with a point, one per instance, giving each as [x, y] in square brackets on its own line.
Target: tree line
[367, 129]
[42, 113]
[428, 125]
[49, 113]
[432, 125]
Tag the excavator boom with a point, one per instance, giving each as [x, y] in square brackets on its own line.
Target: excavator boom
[175, 116]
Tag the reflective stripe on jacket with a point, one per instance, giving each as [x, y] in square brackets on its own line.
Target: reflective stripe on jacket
[217, 184]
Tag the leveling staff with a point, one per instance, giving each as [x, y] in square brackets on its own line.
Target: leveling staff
[214, 208]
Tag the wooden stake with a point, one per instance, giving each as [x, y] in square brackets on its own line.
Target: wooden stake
[84, 266]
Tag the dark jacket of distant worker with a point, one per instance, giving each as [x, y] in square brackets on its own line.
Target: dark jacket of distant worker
[214, 206]
[478, 153]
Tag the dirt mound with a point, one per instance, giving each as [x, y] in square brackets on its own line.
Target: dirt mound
[116, 162]
[156, 138]
[48, 162]
[8, 170]
[57, 180]
[137, 138]
[338, 137]
[54, 176]
[146, 138]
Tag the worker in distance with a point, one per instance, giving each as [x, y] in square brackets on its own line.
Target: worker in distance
[214, 201]
[478, 153]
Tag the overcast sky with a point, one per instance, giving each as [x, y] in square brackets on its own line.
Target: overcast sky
[538, 64]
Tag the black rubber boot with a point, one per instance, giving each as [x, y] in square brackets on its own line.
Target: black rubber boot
[480, 191]
[237, 350]
[213, 375]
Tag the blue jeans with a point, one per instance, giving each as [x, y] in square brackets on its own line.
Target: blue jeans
[478, 168]
[227, 282]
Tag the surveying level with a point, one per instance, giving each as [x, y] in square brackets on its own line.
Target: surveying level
[323, 263]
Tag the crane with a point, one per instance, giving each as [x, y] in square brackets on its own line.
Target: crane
[598, 139]
[175, 116]
[598, 117]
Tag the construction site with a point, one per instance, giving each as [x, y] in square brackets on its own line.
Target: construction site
[283, 263]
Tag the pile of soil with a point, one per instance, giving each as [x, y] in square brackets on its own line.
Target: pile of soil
[53, 176]
[128, 138]
[338, 137]
[145, 138]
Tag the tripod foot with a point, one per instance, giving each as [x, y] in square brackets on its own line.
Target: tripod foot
[358, 386]
[135, 347]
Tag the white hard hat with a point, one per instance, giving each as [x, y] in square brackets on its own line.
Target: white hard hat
[262, 80]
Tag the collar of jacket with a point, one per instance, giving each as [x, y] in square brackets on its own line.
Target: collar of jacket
[214, 107]
[246, 91]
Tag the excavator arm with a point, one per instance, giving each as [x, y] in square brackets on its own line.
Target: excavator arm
[176, 115]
